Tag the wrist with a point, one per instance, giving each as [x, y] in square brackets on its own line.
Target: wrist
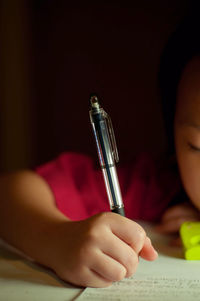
[54, 236]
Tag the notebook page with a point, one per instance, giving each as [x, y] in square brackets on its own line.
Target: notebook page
[165, 279]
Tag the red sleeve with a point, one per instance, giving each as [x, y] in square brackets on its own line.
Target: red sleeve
[79, 189]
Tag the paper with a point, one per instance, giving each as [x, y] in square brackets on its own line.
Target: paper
[169, 278]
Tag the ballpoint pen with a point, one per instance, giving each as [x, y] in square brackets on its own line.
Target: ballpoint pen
[107, 153]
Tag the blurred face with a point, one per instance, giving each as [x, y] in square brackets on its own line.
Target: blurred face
[187, 130]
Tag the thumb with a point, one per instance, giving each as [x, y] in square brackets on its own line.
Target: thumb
[148, 252]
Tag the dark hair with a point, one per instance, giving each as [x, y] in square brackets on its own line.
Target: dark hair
[183, 45]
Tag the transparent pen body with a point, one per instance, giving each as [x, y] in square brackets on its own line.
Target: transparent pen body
[106, 157]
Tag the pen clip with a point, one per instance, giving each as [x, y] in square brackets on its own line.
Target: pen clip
[112, 137]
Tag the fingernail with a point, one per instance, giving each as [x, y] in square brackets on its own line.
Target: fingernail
[149, 241]
[156, 253]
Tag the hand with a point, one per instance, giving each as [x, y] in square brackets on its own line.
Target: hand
[99, 250]
[173, 218]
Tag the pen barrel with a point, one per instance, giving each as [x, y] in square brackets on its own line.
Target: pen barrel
[101, 134]
[106, 159]
[113, 188]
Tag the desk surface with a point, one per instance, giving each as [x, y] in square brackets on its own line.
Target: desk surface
[21, 279]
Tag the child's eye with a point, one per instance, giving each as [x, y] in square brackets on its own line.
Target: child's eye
[193, 147]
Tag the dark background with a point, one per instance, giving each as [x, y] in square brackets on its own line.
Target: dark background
[55, 53]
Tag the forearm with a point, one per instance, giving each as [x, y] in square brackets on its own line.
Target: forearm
[28, 214]
[91, 252]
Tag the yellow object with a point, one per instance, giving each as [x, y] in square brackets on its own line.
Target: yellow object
[190, 235]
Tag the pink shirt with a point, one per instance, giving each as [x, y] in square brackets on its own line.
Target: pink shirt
[79, 189]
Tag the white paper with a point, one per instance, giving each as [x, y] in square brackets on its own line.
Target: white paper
[166, 279]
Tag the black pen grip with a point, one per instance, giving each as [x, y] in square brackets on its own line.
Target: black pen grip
[119, 211]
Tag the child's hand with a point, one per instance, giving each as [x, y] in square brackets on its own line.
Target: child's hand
[99, 250]
[175, 216]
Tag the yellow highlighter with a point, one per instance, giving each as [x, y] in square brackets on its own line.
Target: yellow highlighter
[190, 236]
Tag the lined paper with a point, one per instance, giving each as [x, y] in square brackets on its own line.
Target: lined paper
[166, 279]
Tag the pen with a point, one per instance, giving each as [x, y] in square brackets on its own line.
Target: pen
[107, 153]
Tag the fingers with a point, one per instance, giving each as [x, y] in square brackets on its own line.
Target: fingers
[183, 210]
[128, 231]
[106, 250]
[128, 242]
[134, 235]
[109, 268]
[86, 277]
[148, 252]
[175, 216]
[121, 252]
[173, 225]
